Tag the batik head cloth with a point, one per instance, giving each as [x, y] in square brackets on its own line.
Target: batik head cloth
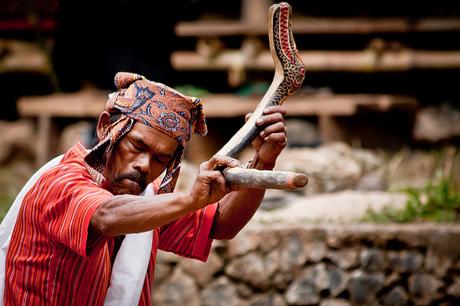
[157, 106]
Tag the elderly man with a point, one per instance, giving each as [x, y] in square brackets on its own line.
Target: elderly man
[72, 221]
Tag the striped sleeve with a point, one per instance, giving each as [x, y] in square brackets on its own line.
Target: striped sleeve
[189, 236]
[71, 202]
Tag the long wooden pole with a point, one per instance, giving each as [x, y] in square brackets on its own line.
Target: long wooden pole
[289, 75]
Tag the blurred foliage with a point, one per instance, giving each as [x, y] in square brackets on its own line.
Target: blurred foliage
[13, 176]
[254, 89]
[438, 201]
[194, 91]
[5, 202]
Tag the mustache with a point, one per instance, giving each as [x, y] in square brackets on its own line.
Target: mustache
[133, 176]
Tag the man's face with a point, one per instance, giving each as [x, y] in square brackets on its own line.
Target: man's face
[137, 159]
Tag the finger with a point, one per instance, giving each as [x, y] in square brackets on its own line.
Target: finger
[219, 181]
[277, 138]
[248, 115]
[278, 127]
[210, 176]
[275, 109]
[217, 177]
[270, 119]
[219, 161]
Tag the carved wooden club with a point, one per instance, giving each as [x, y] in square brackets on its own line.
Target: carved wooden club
[289, 75]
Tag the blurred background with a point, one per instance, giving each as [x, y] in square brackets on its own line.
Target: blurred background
[376, 125]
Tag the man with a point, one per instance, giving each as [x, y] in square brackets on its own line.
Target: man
[72, 221]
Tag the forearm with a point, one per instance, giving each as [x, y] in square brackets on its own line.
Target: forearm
[234, 212]
[125, 214]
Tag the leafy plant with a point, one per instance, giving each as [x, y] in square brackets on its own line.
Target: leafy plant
[438, 202]
[5, 202]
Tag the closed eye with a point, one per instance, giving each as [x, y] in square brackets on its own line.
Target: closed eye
[136, 147]
[162, 160]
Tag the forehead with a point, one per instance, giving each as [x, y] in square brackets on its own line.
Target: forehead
[153, 138]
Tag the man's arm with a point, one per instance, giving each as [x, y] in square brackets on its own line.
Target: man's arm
[237, 208]
[125, 214]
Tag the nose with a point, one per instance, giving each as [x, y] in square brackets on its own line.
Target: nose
[142, 164]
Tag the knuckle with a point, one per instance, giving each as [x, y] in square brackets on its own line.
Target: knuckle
[280, 125]
[214, 159]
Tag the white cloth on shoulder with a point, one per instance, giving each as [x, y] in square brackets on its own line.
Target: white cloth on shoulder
[131, 263]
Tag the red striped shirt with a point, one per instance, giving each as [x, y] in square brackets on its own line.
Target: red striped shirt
[53, 261]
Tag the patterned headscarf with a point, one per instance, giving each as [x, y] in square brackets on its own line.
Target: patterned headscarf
[155, 105]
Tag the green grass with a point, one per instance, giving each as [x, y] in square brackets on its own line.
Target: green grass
[5, 202]
[437, 202]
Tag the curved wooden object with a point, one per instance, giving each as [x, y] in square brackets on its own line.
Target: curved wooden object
[289, 75]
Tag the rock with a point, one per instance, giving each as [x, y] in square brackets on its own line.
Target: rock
[242, 244]
[316, 251]
[269, 299]
[282, 280]
[166, 257]
[180, 289]
[415, 169]
[321, 277]
[437, 123]
[363, 287]
[391, 279]
[315, 280]
[375, 180]
[270, 242]
[17, 138]
[437, 263]
[243, 290]
[202, 272]
[161, 272]
[454, 289]
[334, 302]
[301, 133]
[456, 266]
[293, 253]
[423, 288]
[345, 259]
[396, 297]
[368, 160]
[276, 199]
[302, 291]
[254, 268]
[372, 260]
[221, 292]
[337, 281]
[338, 207]
[332, 167]
[405, 261]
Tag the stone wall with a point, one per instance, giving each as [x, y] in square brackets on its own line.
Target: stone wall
[323, 265]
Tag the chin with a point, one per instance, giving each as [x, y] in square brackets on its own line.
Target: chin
[121, 190]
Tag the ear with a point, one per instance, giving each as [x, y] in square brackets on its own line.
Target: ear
[102, 125]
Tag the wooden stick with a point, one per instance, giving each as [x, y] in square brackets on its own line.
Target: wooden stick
[325, 60]
[355, 26]
[264, 179]
[289, 75]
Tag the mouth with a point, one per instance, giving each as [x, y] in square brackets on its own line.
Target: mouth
[132, 186]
